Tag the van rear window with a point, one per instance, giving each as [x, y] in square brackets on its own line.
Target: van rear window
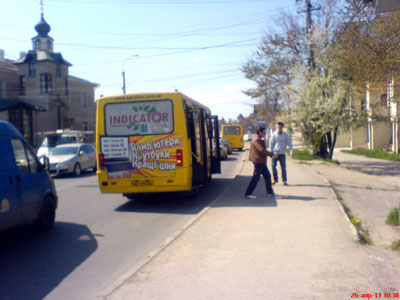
[232, 130]
[139, 118]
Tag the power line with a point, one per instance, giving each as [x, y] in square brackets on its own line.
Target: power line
[184, 2]
[226, 45]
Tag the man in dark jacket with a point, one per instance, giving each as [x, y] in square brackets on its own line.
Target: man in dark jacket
[258, 155]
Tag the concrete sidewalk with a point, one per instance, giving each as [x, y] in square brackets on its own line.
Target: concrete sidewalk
[370, 188]
[298, 245]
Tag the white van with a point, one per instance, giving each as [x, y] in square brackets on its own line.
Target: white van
[51, 139]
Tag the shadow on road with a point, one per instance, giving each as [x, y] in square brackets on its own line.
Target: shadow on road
[374, 168]
[230, 158]
[312, 185]
[234, 197]
[175, 203]
[33, 263]
[84, 174]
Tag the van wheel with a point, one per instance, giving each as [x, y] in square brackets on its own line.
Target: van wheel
[47, 214]
[77, 169]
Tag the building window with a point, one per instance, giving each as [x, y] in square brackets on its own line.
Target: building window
[363, 105]
[66, 85]
[22, 119]
[22, 85]
[32, 70]
[84, 99]
[45, 83]
[384, 100]
[38, 44]
[58, 70]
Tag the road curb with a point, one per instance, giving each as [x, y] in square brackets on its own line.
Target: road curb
[154, 253]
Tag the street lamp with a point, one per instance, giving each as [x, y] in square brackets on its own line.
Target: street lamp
[123, 72]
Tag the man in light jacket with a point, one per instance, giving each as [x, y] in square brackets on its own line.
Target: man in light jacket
[258, 155]
[280, 140]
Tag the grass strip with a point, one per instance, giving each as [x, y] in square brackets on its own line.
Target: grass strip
[395, 245]
[381, 154]
[392, 217]
[306, 155]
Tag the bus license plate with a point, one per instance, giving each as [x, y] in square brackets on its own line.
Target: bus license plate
[146, 182]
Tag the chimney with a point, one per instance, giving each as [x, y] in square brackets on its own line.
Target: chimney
[2, 55]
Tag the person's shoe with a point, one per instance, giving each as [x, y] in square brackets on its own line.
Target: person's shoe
[285, 183]
[274, 182]
[251, 197]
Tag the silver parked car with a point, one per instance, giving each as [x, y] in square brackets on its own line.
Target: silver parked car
[72, 158]
[227, 144]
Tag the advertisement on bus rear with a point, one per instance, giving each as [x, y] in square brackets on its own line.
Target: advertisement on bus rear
[139, 118]
[138, 157]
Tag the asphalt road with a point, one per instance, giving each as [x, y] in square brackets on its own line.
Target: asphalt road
[97, 238]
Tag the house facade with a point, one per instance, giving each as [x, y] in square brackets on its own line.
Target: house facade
[38, 94]
[381, 130]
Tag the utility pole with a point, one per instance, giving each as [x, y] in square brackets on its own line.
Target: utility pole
[59, 104]
[309, 9]
[123, 82]
[123, 71]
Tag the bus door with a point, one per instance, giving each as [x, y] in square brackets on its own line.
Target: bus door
[214, 137]
[196, 124]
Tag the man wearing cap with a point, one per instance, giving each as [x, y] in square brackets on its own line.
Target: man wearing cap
[258, 155]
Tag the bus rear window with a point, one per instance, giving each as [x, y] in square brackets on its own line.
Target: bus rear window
[139, 118]
[232, 130]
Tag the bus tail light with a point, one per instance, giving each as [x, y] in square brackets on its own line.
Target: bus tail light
[179, 158]
[101, 160]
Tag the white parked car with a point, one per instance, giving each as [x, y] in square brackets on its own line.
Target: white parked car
[72, 158]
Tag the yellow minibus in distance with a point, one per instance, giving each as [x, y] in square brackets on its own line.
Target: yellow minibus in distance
[155, 142]
[234, 135]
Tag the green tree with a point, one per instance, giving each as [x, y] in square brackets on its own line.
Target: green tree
[368, 50]
[295, 76]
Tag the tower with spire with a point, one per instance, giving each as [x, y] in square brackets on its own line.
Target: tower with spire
[42, 41]
[52, 99]
[43, 76]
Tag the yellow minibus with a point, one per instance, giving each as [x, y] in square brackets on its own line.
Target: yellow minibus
[155, 142]
[234, 135]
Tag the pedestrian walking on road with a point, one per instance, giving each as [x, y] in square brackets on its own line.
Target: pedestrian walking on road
[258, 155]
[280, 140]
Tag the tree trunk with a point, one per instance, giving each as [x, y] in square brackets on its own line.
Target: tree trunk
[332, 147]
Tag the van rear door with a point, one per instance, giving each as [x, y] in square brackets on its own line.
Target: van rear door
[10, 206]
[32, 181]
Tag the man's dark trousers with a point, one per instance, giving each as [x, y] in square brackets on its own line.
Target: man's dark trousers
[258, 170]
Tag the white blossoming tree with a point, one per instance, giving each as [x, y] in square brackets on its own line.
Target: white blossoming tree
[321, 98]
